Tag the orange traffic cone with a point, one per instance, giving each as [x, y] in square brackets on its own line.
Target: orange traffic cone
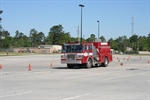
[121, 64]
[51, 65]
[149, 61]
[29, 68]
[1, 66]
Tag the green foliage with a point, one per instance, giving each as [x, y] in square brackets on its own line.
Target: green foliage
[122, 42]
[103, 39]
[142, 43]
[36, 38]
[73, 39]
[58, 36]
[133, 39]
[113, 44]
[20, 40]
[64, 37]
[91, 38]
[148, 41]
[5, 39]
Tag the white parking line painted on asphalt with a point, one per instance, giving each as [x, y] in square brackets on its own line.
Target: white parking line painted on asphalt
[70, 98]
[16, 94]
[125, 76]
[89, 75]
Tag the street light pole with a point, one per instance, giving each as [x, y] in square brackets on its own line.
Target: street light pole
[81, 19]
[98, 29]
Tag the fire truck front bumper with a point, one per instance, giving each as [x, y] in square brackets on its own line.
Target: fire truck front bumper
[65, 61]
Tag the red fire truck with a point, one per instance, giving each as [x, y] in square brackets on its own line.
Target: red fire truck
[86, 54]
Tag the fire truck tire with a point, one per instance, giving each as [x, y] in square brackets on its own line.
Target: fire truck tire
[105, 64]
[89, 63]
[70, 66]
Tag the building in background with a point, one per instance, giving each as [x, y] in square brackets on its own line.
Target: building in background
[40, 49]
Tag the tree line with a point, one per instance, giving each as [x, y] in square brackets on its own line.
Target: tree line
[57, 36]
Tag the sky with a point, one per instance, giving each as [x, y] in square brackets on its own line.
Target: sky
[115, 16]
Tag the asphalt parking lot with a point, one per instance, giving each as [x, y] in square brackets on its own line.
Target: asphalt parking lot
[126, 78]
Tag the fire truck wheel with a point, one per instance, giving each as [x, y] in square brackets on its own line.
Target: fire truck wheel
[89, 63]
[69, 66]
[105, 62]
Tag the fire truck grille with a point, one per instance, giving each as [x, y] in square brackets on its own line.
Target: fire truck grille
[71, 57]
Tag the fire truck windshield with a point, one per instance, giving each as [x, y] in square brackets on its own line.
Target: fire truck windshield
[72, 48]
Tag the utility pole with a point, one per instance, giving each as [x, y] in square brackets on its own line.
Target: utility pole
[78, 34]
[132, 25]
[81, 19]
[98, 29]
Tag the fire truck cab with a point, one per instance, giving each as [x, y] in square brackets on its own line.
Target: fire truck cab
[86, 54]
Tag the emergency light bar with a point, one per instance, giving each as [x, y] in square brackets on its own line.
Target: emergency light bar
[104, 43]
